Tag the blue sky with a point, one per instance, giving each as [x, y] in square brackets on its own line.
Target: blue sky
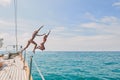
[79, 25]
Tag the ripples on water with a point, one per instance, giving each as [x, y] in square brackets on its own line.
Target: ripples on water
[77, 65]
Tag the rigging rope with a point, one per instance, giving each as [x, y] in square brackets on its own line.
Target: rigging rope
[15, 9]
[38, 70]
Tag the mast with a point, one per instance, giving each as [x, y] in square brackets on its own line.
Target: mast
[15, 12]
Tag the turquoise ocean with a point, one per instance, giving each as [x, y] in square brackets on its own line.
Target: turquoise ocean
[71, 65]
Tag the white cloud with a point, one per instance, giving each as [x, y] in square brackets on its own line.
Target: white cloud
[107, 27]
[23, 26]
[5, 2]
[89, 25]
[89, 16]
[101, 42]
[104, 19]
[107, 39]
[109, 19]
[107, 24]
[78, 43]
[59, 29]
[6, 23]
[116, 4]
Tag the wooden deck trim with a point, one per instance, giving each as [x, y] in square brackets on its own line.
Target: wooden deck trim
[13, 71]
[26, 67]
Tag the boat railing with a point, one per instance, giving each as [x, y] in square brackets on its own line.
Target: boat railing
[12, 48]
[31, 61]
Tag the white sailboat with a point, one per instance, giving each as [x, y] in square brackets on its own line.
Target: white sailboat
[12, 65]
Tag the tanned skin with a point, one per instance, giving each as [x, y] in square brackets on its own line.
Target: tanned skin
[35, 33]
[42, 47]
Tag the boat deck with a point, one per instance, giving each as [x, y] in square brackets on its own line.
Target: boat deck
[12, 69]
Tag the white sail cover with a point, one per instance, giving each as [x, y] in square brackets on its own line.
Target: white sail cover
[1, 42]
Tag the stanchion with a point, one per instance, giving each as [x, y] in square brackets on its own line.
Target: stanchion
[30, 67]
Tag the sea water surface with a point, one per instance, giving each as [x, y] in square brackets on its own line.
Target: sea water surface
[77, 65]
[71, 65]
